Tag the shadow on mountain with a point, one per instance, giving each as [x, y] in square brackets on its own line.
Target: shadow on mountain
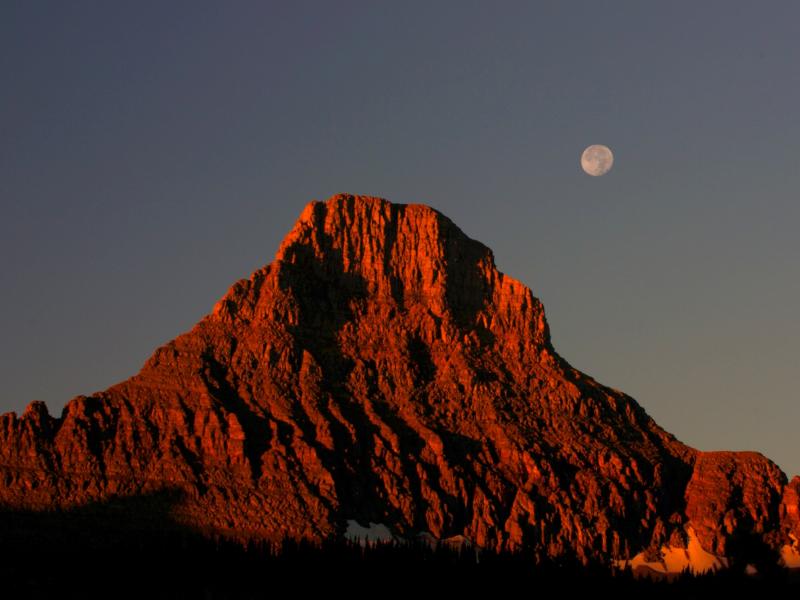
[133, 548]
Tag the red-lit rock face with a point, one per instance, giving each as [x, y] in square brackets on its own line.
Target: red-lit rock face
[382, 369]
[733, 493]
[790, 507]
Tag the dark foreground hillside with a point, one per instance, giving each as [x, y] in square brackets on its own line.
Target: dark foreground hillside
[129, 549]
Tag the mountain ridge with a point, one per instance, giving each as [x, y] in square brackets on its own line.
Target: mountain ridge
[382, 369]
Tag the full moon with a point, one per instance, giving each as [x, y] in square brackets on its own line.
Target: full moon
[597, 160]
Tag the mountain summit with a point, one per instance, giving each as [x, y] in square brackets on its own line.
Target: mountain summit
[382, 370]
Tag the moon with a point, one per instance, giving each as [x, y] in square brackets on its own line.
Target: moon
[597, 160]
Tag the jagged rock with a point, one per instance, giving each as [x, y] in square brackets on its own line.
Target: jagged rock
[382, 370]
[733, 493]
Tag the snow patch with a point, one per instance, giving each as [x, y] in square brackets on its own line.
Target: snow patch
[374, 532]
[378, 532]
[454, 542]
[790, 554]
[457, 541]
[676, 559]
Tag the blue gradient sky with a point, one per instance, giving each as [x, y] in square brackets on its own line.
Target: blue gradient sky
[151, 153]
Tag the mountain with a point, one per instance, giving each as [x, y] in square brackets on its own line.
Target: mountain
[381, 370]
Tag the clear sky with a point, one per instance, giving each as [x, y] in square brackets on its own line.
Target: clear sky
[152, 153]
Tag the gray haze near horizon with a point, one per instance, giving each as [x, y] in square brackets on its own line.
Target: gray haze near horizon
[153, 153]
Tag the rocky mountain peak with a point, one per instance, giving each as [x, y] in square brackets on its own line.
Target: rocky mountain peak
[406, 254]
[382, 370]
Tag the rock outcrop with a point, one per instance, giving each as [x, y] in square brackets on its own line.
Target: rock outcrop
[382, 370]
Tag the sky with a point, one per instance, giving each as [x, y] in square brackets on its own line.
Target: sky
[152, 153]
